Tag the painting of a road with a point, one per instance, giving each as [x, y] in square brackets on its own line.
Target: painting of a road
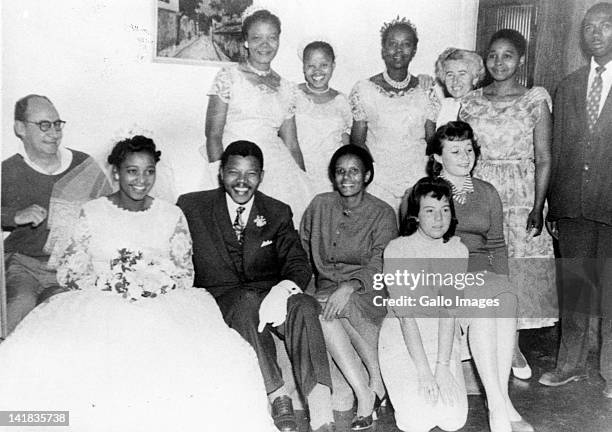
[200, 30]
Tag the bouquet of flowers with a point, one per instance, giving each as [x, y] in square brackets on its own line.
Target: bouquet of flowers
[133, 276]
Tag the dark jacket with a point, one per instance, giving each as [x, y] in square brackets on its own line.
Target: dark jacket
[581, 181]
[271, 248]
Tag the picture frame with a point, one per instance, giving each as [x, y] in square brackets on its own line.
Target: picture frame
[205, 32]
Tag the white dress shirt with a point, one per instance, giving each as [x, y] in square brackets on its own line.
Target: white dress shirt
[232, 208]
[606, 78]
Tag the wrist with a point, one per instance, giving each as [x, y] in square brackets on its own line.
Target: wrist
[355, 284]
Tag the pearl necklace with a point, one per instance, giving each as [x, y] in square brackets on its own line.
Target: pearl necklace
[396, 84]
[257, 71]
[317, 91]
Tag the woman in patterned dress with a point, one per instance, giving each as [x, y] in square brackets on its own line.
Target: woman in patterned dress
[513, 128]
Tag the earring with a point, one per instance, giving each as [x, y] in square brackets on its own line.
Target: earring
[246, 45]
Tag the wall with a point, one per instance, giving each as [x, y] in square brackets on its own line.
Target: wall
[93, 58]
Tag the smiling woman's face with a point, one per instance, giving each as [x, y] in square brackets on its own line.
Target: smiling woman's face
[457, 157]
[350, 176]
[458, 78]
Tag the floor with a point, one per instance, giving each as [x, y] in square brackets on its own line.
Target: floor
[575, 407]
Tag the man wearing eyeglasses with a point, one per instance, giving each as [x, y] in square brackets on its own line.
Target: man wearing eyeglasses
[30, 179]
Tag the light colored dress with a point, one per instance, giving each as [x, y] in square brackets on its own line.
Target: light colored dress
[320, 128]
[396, 135]
[154, 364]
[256, 113]
[397, 367]
[504, 131]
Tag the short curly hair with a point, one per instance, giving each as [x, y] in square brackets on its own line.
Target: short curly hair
[136, 144]
[262, 15]
[401, 23]
[516, 39]
[319, 45]
[354, 150]
[472, 59]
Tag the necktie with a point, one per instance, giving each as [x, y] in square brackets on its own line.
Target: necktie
[594, 97]
[238, 225]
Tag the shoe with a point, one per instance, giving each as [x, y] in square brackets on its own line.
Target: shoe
[521, 426]
[379, 403]
[607, 392]
[360, 423]
[522, 372]
[327, 427]
[283, 414]
[557, 377]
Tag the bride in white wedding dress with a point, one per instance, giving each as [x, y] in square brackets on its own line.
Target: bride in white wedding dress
[132, 346]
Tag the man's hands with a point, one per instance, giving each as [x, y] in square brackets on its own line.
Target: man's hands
[33, 214]
[273, 308]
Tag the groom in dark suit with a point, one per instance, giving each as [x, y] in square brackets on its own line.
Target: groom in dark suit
[248, 255]
[580, 202]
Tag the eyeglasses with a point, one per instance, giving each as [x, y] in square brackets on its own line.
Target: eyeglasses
[45, 125]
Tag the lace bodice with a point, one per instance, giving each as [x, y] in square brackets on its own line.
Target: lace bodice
[255, 113]
[160, 233]
[320, 128]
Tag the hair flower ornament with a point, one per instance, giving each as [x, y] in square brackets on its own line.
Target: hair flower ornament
[260, 221]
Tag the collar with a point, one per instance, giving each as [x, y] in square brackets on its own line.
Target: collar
[460, 193]
[65, 156]
[595, 65]
[232, 207]
[606, 78]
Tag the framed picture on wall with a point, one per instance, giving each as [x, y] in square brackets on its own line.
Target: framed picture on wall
[199, 31]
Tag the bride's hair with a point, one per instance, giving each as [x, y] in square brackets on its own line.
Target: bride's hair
[136, 144]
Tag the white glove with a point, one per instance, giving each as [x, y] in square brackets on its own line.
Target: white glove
[273, 308]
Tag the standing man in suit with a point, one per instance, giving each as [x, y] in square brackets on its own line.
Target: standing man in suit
[580, 202]
[248, 255]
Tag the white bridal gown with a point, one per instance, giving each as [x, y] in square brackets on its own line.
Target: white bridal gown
[168, 363]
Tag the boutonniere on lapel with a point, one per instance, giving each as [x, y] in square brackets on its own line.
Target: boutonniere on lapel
[260, 221]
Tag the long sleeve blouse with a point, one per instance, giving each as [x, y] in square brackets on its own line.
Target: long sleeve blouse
[481, 229]
[346, 244]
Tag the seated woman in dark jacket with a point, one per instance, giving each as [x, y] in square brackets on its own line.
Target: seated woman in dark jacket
[344, 233]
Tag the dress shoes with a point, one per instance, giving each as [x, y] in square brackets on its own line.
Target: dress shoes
[283, 414]
[361, 423]
[557, 377]
[521, 426]
[522, 372]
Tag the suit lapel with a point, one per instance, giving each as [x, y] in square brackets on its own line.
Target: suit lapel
[221, 222]
[253, 233]
[580, 95]
[606, 113]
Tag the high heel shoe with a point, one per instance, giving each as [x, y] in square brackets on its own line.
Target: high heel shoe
[521, 426]
[522, 372]
[361, 423]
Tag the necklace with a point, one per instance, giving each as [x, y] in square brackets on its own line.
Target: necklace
[396, 84]
[315, 90]
[257, 71]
